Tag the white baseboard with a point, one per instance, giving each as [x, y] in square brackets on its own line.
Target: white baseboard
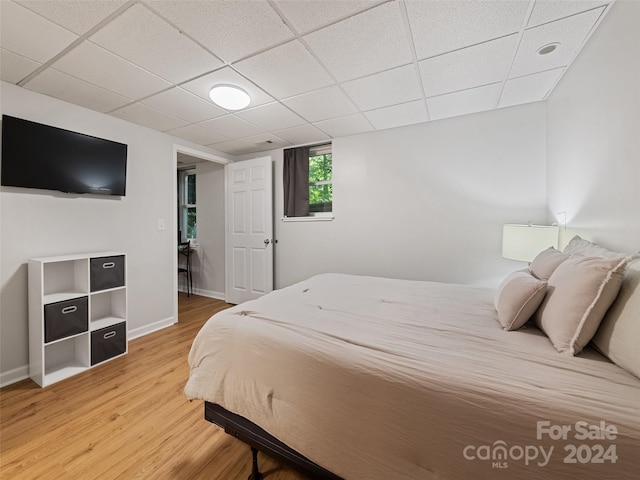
[209, 293]
[150, 328]
[13, 376]
[205, 293]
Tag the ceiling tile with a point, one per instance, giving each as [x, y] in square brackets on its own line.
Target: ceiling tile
[65, 87]
[364, 44]
[28, 34]
[383, 89]
[158, 47]
[244, 145]
[344, 126]
[266, 141]
[270, 117]
[301, 134]
[231, 126]
[149, 117]
[233, 147]
[231, 30]
[530, 88]
[79, 16]
[185, 105]
[321, 104]
[306, 15]
[197, 134]
[202, 85]
[398, 115]
[462, 103]
[286, 70]
[550, 10]
[439, 27]
[570, 33]
[467, 68]
[94, 64]
[14, 67]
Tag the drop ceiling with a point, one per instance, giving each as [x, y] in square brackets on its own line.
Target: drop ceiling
[315, 69]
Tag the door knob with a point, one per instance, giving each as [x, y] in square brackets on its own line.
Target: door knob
[267, 241]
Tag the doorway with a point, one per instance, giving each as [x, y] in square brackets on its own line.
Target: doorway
[199, 215]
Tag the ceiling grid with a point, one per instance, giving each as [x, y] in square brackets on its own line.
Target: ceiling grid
[314, 69]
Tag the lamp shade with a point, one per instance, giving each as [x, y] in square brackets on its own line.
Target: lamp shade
[524, 242]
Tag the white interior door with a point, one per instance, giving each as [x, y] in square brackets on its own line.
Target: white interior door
[249, 226]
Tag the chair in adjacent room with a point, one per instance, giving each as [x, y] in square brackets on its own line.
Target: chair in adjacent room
[184, 248]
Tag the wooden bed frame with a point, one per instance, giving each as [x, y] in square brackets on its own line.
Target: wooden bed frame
[259, 439]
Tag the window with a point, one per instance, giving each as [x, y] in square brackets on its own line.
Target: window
[320, 180]
[187, 204]
[307, 180]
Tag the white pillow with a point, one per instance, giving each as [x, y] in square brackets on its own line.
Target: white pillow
[579, 293]
[517, 298]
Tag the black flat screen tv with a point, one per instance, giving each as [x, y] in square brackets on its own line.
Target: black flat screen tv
[40, 156]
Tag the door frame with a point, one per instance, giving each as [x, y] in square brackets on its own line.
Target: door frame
[177, 148]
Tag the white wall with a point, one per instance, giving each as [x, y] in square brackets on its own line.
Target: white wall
[593, 134]
[37, 222]
[423, 202]
[208, 261]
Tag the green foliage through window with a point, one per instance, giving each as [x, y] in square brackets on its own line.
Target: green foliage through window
[320, 183]
[191, 222]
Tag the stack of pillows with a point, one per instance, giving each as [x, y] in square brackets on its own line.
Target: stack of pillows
[568, 293]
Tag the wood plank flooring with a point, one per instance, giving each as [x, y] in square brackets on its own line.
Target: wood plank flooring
[126, 419]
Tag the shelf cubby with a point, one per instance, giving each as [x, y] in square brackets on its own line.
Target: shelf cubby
[108, 308]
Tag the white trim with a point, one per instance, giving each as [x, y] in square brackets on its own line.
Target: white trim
[199, 153]
[14, 376]
[150, 328]
[207, 293]
[315, 218]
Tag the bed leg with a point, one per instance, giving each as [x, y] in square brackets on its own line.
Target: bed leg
[255, 472]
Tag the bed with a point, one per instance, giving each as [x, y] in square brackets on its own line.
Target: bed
[353, 377]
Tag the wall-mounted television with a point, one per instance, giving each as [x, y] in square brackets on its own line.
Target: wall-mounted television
[41, 156]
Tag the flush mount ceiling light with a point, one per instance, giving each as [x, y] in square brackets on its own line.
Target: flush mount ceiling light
[229, 97]
[547, 49]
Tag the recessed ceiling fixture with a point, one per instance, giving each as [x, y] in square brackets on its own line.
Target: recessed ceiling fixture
[547, 49]
[229, 97]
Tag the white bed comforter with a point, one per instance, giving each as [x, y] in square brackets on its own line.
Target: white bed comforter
[377, 378]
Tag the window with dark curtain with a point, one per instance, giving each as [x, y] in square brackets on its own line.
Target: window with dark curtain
[296, 182]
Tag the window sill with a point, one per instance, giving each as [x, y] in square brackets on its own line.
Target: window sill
[311, 218]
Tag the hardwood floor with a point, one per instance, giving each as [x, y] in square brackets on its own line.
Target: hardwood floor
[126, 419]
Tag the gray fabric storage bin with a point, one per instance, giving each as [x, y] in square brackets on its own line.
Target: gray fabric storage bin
[63, 319]
[106, 272]
[108, 342]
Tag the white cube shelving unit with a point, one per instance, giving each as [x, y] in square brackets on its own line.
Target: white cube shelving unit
[77, 313]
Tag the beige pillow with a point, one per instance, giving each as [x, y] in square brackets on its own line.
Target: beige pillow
[546, 262]
[517, 298]
[579, 293]
[619, 334]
